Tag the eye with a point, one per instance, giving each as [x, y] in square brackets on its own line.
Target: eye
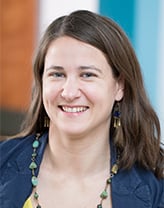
[88, 74]
[57, 74]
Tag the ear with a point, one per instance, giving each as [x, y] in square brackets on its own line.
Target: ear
[120, 90]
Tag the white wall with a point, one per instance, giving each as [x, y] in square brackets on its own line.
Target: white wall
[51, 9]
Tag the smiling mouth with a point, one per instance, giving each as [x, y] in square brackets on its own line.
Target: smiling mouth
[73, 109]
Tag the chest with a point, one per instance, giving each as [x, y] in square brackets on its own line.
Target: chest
[71, 194]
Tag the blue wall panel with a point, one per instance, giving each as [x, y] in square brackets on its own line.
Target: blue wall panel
[123, 12]
[139, 19]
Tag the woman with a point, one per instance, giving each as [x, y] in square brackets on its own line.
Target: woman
[91, 137]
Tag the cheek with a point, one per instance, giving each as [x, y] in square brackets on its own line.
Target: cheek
[96, 94]
[49, 93]
[109, 95]
[92, 92]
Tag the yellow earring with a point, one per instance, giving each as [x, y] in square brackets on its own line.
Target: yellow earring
[46, 122]
[116, 115]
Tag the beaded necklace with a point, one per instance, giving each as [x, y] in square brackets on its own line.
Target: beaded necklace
[34, 180]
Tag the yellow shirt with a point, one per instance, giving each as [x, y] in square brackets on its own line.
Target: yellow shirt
[27, 203]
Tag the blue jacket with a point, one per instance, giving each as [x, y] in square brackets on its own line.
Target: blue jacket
[136, 188]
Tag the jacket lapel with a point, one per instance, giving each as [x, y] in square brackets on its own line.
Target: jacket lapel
[128, 187]
[18, 174]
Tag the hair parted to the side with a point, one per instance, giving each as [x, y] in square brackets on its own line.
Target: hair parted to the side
[138, 138]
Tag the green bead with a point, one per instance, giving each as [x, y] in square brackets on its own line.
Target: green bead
[99, 206]
[36, 195]
[34, 181]
[35, 144]
[33, 165]
[104, 194]
[109, 180]
[34, 154]
[38, 206]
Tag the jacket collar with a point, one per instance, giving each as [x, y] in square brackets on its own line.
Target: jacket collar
[23, 164]
[127, 186]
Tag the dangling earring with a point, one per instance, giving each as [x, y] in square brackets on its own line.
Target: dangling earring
[46, 122]
[116, 115]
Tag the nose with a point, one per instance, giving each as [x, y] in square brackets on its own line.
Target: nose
[70, 89]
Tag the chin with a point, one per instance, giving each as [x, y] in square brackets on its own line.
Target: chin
[74, 132]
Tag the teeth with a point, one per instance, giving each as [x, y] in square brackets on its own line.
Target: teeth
[74, 109]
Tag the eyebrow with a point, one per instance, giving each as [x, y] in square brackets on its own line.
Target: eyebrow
[92, 67]
[55, 67]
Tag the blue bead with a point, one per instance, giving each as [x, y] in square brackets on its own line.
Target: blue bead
[117, 114]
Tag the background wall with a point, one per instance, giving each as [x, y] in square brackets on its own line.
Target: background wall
[143, 21]
[17, 39]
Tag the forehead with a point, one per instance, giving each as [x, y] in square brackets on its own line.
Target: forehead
[71, 48]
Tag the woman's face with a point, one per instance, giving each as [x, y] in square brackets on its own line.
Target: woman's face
[78, 87]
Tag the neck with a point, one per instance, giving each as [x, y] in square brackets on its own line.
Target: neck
[78, 156]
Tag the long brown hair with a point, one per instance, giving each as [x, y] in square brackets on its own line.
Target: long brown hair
[138, 138]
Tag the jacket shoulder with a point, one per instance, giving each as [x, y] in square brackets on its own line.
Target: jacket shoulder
[15, 179]
[138, 186]
[11, 148]
[155, 185]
